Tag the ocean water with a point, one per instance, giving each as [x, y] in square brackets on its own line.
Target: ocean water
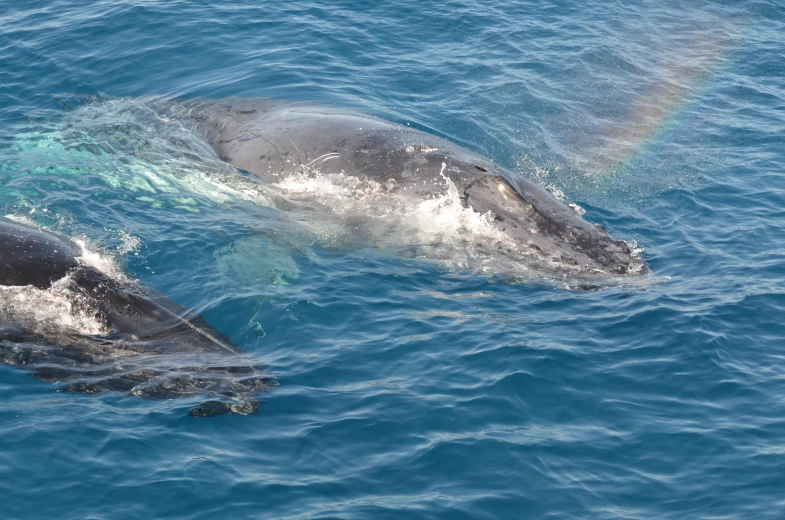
[408, 387]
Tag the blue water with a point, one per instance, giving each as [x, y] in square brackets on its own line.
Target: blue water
[408, 389]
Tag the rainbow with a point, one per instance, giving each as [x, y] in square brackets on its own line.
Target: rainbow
[682, 81]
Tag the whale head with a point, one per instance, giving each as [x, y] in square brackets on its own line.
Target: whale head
[541, 225]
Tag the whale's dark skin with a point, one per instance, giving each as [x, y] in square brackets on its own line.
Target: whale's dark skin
[152, 348]
[272, 139]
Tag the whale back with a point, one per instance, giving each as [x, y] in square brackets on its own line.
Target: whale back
[30, 257]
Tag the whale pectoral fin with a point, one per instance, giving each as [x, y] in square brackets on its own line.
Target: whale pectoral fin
[215, 408]
[210, 409]
[257, 260]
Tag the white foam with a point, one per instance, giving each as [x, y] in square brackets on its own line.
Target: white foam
[342, 193]
[128, 243]
[20, 219]
[440, 227]
[635, 253]
[103, 263]
[56, 310]
[445, 216]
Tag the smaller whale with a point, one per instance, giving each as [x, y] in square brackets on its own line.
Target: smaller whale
[140, 343]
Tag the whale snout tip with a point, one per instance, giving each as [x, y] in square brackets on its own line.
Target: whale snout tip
[628, 262]
[622, 259]
[597, 251]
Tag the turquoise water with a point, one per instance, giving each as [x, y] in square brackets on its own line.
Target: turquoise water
[410, 388]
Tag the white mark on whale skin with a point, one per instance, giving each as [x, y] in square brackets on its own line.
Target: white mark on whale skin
[327, 157]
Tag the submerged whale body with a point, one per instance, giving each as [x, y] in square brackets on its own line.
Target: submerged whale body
[276, 139]
[136, 343]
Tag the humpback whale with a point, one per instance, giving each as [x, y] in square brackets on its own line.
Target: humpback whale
[134, 342]
[273, 140]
